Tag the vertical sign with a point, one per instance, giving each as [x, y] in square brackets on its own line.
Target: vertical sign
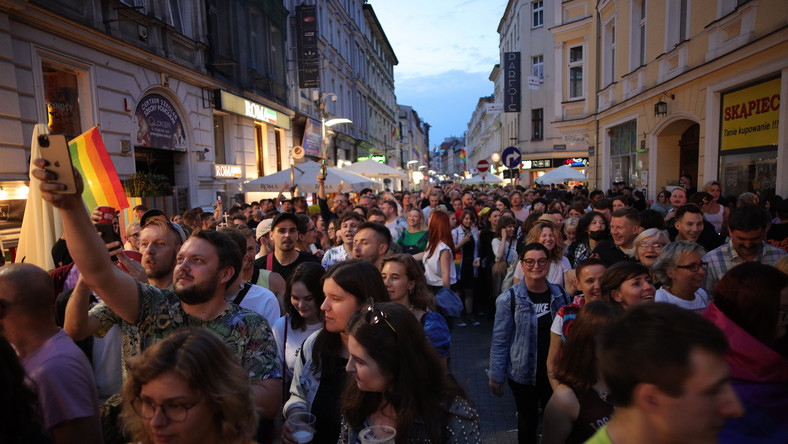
[308, 56]
[511, 72]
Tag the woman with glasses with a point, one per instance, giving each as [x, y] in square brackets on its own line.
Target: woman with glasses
[680, 269]
[188, 388]
[521, 338]
[750, 306]
[399, 382]
[663, 203]
[407, 286]
[648, 245]
[319, 372]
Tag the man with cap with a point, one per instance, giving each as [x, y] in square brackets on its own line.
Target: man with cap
[263, 239]
[205, 266]
[285, 258]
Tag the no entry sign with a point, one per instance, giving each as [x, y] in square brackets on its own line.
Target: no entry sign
[483, 166]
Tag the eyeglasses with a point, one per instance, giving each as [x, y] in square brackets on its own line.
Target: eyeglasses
[134, 235]
[693, 267]
[531, 262]
[373, 317]
[173, 411]
[654, 246]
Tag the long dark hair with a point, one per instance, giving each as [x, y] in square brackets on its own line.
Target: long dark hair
[362, 280]
[310, 274]
[416, 385]
[577, 365]
[581, 234]
[21, 422]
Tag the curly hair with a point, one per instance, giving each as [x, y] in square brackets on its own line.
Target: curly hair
[416, 385]
[199, 357]
[558, 249]
[420, 297]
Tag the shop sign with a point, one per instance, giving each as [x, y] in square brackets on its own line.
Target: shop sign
[538, 163]
[572, 162]
[751, 116]
[159, 124]
[313, 138]
[230, 102]
[512, 81]
[381, 159]
[221, 171]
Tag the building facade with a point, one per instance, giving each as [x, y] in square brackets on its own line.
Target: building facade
[413, 142]
[676, 87]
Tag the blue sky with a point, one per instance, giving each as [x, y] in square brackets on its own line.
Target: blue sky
[446, 50]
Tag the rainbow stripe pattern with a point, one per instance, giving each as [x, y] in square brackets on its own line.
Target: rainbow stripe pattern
[90, 158]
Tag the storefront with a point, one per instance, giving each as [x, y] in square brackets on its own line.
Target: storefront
[253, 135]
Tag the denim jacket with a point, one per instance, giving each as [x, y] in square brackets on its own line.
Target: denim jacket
[513, 347]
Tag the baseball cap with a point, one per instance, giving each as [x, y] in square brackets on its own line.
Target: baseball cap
[263, 228]
[156, 212]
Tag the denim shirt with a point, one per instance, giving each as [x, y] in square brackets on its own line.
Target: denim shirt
[513, 347]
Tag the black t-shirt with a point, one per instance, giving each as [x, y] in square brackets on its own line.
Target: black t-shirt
[326, 406]
[541, 303]
[285, 270]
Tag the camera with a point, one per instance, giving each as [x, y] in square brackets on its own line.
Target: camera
[43, 141]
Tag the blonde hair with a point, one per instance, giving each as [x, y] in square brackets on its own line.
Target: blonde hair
[199, 357]
[533, 236]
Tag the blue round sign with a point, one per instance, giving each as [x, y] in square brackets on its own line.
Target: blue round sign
[511, 157]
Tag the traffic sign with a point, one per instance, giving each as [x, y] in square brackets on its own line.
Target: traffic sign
[483, 166]
[511, 157]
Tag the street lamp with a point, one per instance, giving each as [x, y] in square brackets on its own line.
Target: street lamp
[496, 156]
[320, 102]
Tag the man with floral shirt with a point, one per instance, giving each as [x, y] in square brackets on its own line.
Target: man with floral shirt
[205, 265]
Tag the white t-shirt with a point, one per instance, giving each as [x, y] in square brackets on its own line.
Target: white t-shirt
[556, 273]
[432, 267]
[261, 301]
[511, 256]
[290, 352]
[698, 305]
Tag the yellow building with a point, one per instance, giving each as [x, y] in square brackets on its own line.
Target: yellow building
[661, 88]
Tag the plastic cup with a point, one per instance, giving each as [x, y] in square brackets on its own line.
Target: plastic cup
[303, 426]
[107, 214]
[379, 434]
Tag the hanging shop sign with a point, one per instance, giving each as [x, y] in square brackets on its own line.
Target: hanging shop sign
[751, 116]
[512, 82]
[225, 101]
[158, 124]
[313, 138]
[572, 162]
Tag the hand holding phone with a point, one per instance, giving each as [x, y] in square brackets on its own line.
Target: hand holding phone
[54, 150]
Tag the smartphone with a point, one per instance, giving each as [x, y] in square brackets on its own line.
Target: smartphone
[108, 235]
[54, 149]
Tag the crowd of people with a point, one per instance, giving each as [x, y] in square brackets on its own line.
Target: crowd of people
[612, 321]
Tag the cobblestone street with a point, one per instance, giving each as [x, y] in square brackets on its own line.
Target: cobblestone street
[469, 358]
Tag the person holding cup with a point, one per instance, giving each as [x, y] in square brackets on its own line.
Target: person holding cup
[319, 373]
[400, 384]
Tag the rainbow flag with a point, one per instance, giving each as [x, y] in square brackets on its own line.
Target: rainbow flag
[416, 152]
[102, 185]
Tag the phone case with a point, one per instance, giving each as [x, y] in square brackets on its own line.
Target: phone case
[54, 149]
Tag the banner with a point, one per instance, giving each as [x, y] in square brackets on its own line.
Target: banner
[313, 138]
[158, 124]
[306, 42]
[751, 116]
[512, 82]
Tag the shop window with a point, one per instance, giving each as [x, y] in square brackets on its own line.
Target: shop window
[61, 93]
[218, 140]
[260, 149]
[749, 172]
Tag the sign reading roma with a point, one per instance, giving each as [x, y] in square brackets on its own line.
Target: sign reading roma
[158, 124]
[751, 116]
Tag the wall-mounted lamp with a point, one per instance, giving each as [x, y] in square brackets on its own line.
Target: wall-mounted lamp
[661, 107]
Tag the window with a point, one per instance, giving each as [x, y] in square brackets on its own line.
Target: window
[537, 14]
[61, 93]
[642, 34]
[683, 20]
[609, 53]
[218, 140]
[537, 124]
[576, 72]
[677, 23]
[537, 67]
[623, 151]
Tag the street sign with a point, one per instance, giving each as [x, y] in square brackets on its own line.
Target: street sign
[483, 166]
[511, 157]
